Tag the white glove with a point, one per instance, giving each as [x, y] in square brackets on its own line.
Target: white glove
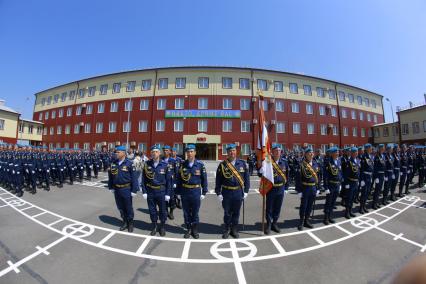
[377, 180]
[340, 188]
[81, 167]
[62, 170]
[285, 192]
[133, 194]
[18, 173]
[327, 191]
[318, 192]
[174, 185]
[112, 190]
[27, 171]
[362, 183]
[300, 194]
[48, 171]
[245, 195]
[347, 186]
[393, 176]
[13, 171]
[166, 197]
[33, 172]
[145, 196]
[220, 197]
[91, 167]
[402, 174]
[202, 197]
[408, 172]
[386, 179]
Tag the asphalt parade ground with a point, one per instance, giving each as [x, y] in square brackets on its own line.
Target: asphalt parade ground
[70, 235]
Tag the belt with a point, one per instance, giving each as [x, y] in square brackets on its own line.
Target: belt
[334, 182]
[367, 173]
[404, 167]
[278, 184]
[309, 183]
[191, 186]
[122, 185]
[380, 172]
[157, 187]
[352, 179]
[390, 171]
[396, 169]
[230, 187]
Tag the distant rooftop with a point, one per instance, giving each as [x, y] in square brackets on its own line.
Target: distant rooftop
[5, 108]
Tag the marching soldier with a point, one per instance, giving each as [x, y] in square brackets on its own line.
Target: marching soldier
[156, 186]
[123, 182]
[420, 166]
[275, 197]
[351, 177]
[232, 187]
[366, 177]
[307, 182]
[191, 181]
[378, 175]
[403, 170]
[389, 174]
[396, 170]
[332, 183]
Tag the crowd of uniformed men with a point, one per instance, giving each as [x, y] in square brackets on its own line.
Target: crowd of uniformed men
[356, 174]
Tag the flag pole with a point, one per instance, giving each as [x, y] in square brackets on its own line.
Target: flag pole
[244, 206]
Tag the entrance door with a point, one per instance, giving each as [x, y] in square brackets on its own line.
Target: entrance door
[206, 151]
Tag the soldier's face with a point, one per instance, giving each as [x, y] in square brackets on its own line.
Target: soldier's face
[166, 152]
[120, 154]
[276, 152]
[232, 153]
[155, 154]
[191, 154]
[174, 153]
[309, 156]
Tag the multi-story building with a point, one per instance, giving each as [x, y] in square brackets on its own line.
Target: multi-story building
[209, 106]
[385, 133]
[412, 122]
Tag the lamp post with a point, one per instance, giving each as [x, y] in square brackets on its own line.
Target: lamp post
[393, 121]
[128, 122]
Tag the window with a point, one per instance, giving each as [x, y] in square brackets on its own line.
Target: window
[63, 97]
[46, 115]
[86, 146]
[320, 92]
[128, 105]
[161, 104]
[362, 132]
[69, 111]
[40, 116]
[142, 147]
[143, 126]
[280, 127]
[56, 98]
[163, 83]
[353, 114]
[116, 88]
[368, 117]
[344, 113]
[279, 105]
[245, 104]
[376, 132]
[92, 91]
[89, 109]
[321, 110]
[342, 96]
[345, 131]
[81, 93]
[61, 112]
[179, 103]
[101, 107]
[416, 127]
[309, 109]
[76, 145]
[296, 127]
[311, 128]
[295, 107]
[265, 105]
[53, 114]
[67, 129]
[21, 127]
[323, 129]
[307, 90]
[203, 103]
[43, 101]
[178, 125]
[355, 131]
[278, 86]
[395, 130]
[366, 101]
[227, 104]
[351, 98]
[335, 130]
[424, 125]
[359, 100]
[144, 105]
[146, 85]
[49, 100]
[227, 126]
[72, 95]
[331, 94]
[45, 131]
[127, 126]
[131, 86]
[87, 128]
[375, 118]
[294, 89]
[76, 128]
[203, 83]
[244, 83]
[78, 110]
[245, 149]
[373, 103]
[202, 125]
[99, 127]
[226, 83]
[370, 133]
[103, 89]
[361, 115]
[333, 111]
[262, 84]
[160, 125]
[405, 130]
[114, 107]
[245, 125]
[112, 127]
[180, 83]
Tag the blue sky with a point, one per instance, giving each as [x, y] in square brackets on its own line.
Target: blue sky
[378, 45]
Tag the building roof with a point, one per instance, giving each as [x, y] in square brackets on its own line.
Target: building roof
[31, 121]
[385, 123]
[412, 108]
[212, 67]
[8, 109]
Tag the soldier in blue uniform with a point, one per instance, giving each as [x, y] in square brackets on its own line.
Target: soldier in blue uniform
[232, 187]
[366, 177]
[156, 183]
[191, 181]
[123, 182]
[332, 183]
[389, 174]
[171, 204]
[307, 187]
[420, 166]
[403, 169]
[351, 177]
[275, 197]
[396, 170]
[79, 159]
[378, 175]
[179, 161]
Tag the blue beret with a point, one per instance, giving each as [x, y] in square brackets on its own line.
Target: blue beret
[368, 145]
[174, 149]
[44, 147]
[381, 146]
[155, 147]
[308, 150]
[395, 146]
[230, 147]
[333, 150]
[190, 147]
[361, 148]
[166, 147]
[120, 148]
[276, 146]
[354, 149]
[389, 146]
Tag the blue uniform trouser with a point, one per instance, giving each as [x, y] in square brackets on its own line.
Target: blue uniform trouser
[18, 180]
[191, 205]
[330, 199]
[350, 193]
[156, 198]
[378, 188]
[365, 190]
[307, 201]
[123, 199]
[387, 186]
[172, 201]
[232, 201]
[402, 181]
[274, 202]
[394, 182]
[80, 171]
[32, 177]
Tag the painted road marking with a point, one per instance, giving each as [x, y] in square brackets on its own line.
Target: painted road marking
[343, 229]
[39, 214]
[398, 236]
[107, 237]
[379, 214]
[315, 237]
[390, 207]
[278, 246]
[143, 246]
[56, 222]
[185, 251]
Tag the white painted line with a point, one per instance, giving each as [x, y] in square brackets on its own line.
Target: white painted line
[315, 237]
[423, 248]
[8, 198]
[43, 251]
[398, 236]
[11, 265]
[27, 208]
[379, 214]
[39, 214]
[343, 229]
[4, 193]
[238, 267]
[106, 238]
[277, 244]
[143, 246]
[390, 207]
[185, 252]
[56, 222]
[4, 205]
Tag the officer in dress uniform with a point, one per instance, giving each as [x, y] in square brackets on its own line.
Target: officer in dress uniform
[307, 182]
[378, 175]
[232, 187]
[366, 177]
[389, 174]
[319, 159]
[358, 159]
[411, 168]
[351, 177]
[275, 197]
[156, 184]
[396, 170]
[171, 204]
[344, 162]
[123, 182]
[332, 183]
[179, 161]
[403, 169]
[420, 166]
[191, 181]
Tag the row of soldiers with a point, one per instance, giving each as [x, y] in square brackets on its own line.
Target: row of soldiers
[25, 167]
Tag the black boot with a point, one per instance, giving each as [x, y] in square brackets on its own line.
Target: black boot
[326, 220]
[162, 230]
[361, 208]
[154, 229]
[234, 232]
[178, 205]
[300, 227]
[351, 213]
[267, 230]
[130, 226]
[20, 193]
[170, 215]
[187, 232]
[225, 234]
[330, 219]
[274, 227]
[124, 225]
[347, 216]
[307, 224]
[195, 233]
[34, 190]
